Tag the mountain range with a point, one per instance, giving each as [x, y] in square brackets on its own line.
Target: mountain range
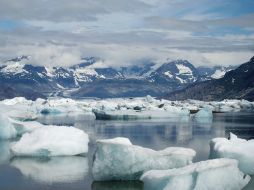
[18, 78]
[237, 84]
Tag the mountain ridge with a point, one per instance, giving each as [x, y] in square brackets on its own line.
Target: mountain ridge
[237, 84]
[84, 77]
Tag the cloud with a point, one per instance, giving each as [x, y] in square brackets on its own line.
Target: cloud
[66, 10]
[60, 32]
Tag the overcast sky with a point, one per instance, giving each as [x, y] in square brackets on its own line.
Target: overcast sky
[123, 32]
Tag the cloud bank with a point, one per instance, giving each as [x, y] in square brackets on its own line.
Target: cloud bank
[60, 32]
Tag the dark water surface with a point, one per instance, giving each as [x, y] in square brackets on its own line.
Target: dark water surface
[74, 173]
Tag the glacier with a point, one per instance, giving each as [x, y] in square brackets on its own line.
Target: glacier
[118, 159]
[52, 141]
[235, 148]
[219, 174]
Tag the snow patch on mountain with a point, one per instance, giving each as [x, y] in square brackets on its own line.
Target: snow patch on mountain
[183, 69]
[14, 68]
[168, 73]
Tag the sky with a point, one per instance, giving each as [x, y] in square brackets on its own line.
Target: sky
[126, 32]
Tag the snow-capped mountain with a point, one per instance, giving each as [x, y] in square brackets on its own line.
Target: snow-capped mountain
[235, 84]
[216, 72]
[146, 77]
[179, 72]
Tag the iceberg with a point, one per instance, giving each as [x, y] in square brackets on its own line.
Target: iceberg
[138, 114]
[52, 141]
[118, 159]
[235, 148]
[7, 130]
[219, 174]
[204, 113]
[53, 170]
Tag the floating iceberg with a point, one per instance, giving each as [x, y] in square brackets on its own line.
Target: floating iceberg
[7, 130]
[219, 174]
[118, 159]
[235, 148]
[53, 170]
[52, 141]
[204, 113]
[137, 114]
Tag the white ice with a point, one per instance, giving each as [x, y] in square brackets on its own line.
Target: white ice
[53, 170]
[118, 159]
[219, 174]
[52, 141]
[235, 148]
[204, 113]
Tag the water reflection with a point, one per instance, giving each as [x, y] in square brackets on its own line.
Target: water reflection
[53, 170]
[4, 152]
[73, 172]
[117, 185]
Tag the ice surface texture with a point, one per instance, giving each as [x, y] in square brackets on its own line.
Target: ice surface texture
[118, 159]
[235, 148]
[52, 141]
[219, 174]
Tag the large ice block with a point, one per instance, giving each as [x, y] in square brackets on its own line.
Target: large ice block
[52, 141]
[235, 148]
[118, 159]
[219, 174]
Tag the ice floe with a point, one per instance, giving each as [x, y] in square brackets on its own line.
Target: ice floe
[219, 174]
[235, 148]
[118, 108]
[52, 141]
[118, 159]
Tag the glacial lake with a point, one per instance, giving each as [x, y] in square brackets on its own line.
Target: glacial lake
[74, 173]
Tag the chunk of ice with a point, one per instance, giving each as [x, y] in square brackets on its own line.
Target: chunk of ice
[204, 113]
[219, 174]
[52, 141]
[235, 148]
[118, 159]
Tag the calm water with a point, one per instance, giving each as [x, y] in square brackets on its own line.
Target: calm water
[67, 173]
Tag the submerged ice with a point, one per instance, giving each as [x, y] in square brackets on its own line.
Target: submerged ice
[52, 141]
[118, 159]
[235, 148]
[219, 174]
